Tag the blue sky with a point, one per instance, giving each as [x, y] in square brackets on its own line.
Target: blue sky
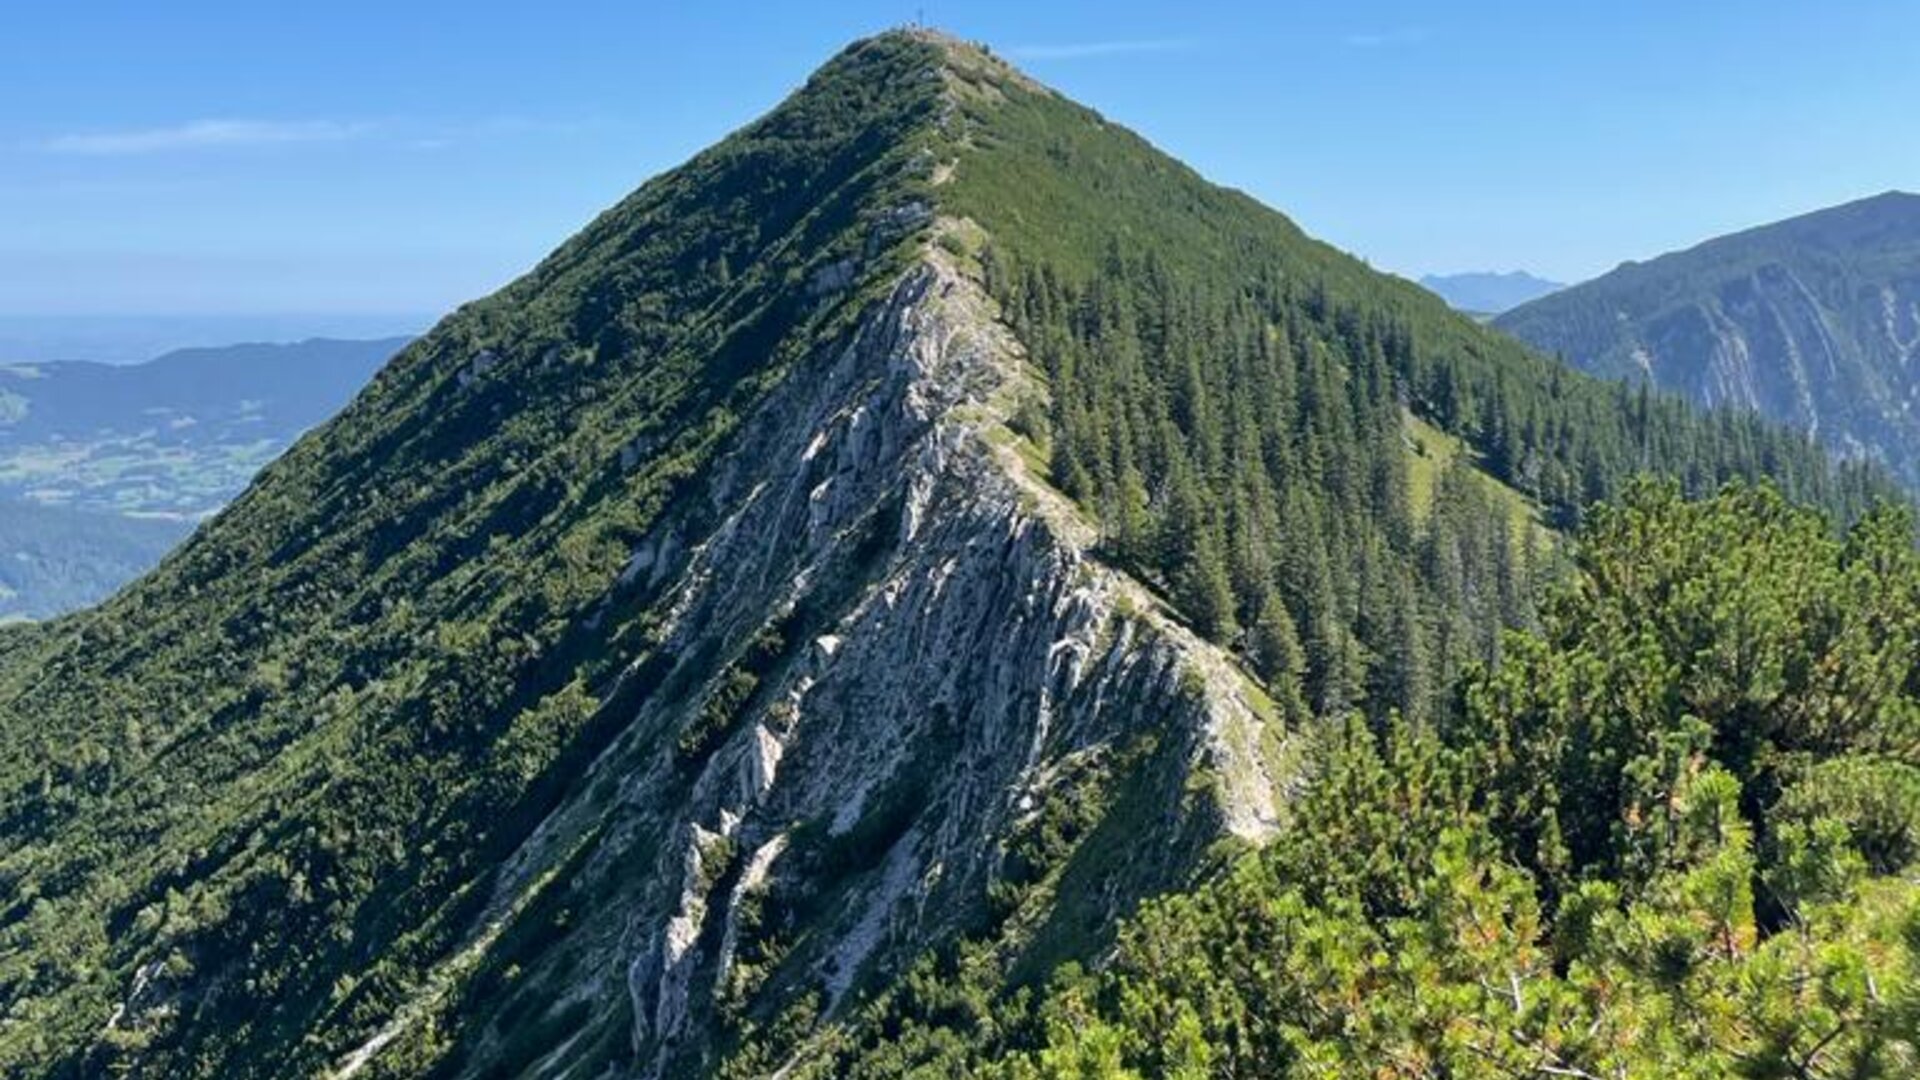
[201, 157]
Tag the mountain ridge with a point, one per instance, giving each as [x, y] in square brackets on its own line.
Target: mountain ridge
[1812, 321]
[136, 339]
[1488, 293]
[911, 533]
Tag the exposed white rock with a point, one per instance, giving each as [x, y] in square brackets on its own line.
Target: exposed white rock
[752, 876]
[970, 645]
[482, 362]
[142, 1001]
[833, 278]
[763, 764]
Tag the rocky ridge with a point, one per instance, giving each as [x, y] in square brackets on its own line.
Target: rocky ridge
[979, 659]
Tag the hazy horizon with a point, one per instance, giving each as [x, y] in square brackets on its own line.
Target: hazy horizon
[132, 339]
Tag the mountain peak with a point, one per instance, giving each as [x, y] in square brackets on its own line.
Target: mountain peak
[902, 539]
[927, 35]
[949, 47]
[967, 65]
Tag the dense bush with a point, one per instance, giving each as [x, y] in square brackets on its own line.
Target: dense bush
[1642, 851]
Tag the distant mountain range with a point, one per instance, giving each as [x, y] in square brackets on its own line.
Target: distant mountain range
[1814, 321]
[1488, 294]
[103, 468]
[136, 339]
[178, 436]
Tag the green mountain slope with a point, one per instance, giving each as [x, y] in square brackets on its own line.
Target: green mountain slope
[915, 530]
[1814, 321]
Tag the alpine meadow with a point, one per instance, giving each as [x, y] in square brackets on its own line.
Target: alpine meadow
[933, 587]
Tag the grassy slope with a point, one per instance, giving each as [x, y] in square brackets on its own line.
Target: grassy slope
[1434, 451]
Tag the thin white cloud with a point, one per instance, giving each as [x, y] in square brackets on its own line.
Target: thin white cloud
[205, 134]
[1082, 50]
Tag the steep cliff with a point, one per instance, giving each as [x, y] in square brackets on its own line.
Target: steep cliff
[933, 663]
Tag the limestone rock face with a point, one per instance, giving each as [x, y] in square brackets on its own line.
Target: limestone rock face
[940, 662]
